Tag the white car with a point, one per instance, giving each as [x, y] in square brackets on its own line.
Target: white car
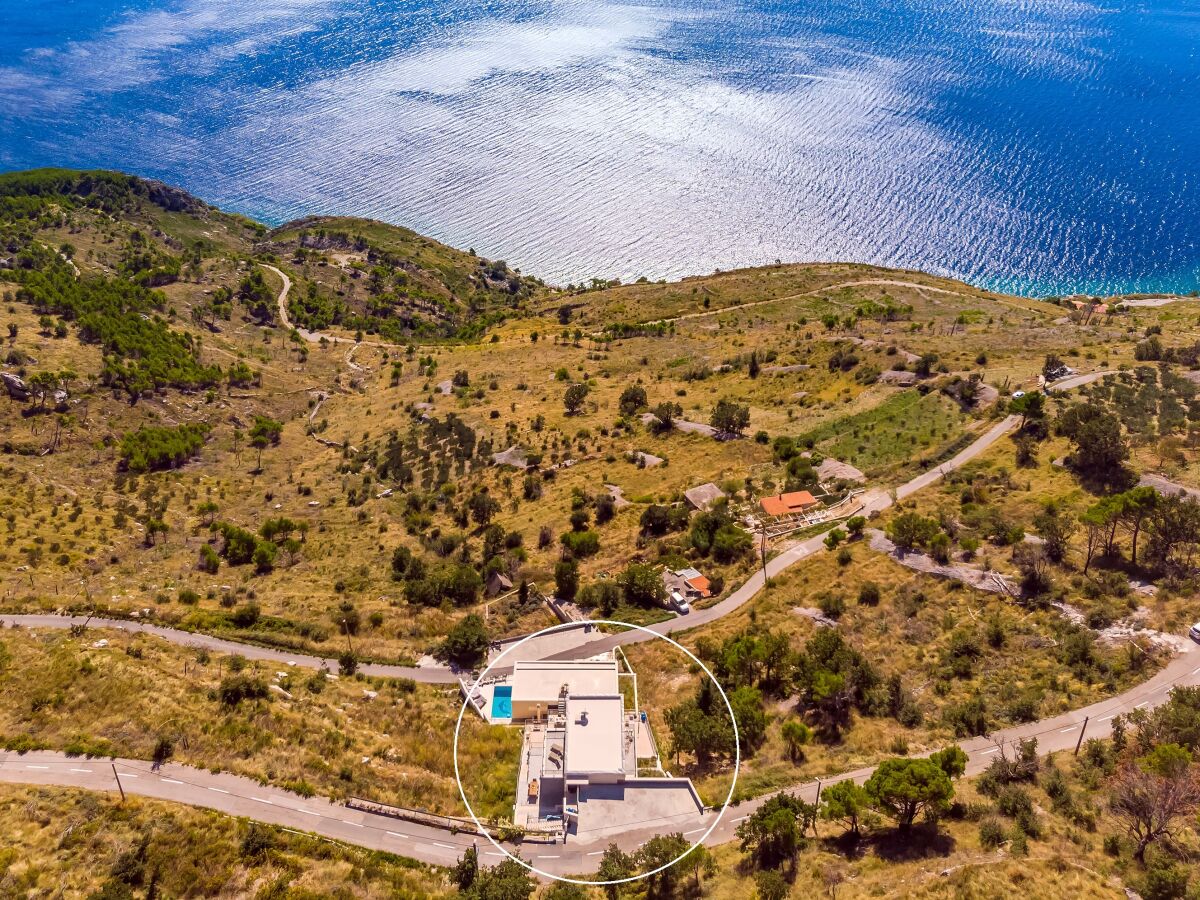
[1194, 632]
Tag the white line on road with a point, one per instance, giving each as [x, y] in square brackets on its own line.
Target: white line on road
[37, 767]
[395, 834]
[986, 752]
[1065, 730]
[742, 819]
[88, 771]
[127, 775]
[218, 790]
[172, 781]
[1196, 671]
[1106, 718]
[1143, 703]
[595, 853]
[261, 800]
[447, 846]
[696, 831]
[549, 856]
[355, 824]
[494, 853]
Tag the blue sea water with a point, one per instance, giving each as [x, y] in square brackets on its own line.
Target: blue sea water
[1041, 147]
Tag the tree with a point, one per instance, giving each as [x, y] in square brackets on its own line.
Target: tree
[770, 885]
[466, 869]
[701, 861]
[1133, 508]
[846, 802]
[566, 579]
[1055, 525]
[1173, 538]
[574, 397]
[508, 880]
[1031, 407]
[747, 705]
[264, 433]
[952, 760]
[774, 832]
[615, 865]
[482, 506]
[730, 543]
[665, 415]
[902, 788]
[657, 852]
[730, 418]
[754, 367]
[467, 642]
[642, 585]
[1100, 449]
[1152, 794]
[796, 735]
[911, 530]
[633, 400]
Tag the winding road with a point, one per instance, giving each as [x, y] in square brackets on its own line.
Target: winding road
[243, 797]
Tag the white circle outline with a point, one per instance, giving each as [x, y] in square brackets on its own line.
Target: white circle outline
[567, 626]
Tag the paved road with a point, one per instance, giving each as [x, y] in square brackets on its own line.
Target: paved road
[240, 796]
[429, 675]
[243, 797]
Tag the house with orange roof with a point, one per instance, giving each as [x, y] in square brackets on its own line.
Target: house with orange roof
[791, 504]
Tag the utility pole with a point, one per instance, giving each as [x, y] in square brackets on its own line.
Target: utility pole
[1079, 742]
[120, 787]
[762, 552]
[346, 628]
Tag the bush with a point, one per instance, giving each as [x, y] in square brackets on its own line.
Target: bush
[868, 594]
[991, 833]
[151, 448]
[236, 688]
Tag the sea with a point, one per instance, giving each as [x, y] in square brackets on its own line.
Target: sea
[1042, 147]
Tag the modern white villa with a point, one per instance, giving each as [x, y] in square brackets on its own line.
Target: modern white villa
[583, 737]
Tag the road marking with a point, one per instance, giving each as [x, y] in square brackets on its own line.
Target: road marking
[1106, 718]
[356, 824]
[261, 800]
[88, 771]
[543, 856]
[37, 767]
[127, 775]
[742, 819]
[172, 781]
[447, 846]
[596, 853]
[494, 853]
[1065, 730]
[697, 831]
[1143, 703]
[218, 790]
[395, 834]
[986, 752]
[1196, 671]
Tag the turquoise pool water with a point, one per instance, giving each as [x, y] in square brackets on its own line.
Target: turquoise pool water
[502, 702]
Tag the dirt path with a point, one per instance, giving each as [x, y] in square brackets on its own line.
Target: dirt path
[895, 282]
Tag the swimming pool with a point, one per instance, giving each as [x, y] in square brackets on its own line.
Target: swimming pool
[502, 702]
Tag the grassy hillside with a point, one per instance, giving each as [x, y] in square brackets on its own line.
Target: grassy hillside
[170, 449]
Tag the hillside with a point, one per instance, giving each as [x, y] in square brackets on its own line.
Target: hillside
[171, 451]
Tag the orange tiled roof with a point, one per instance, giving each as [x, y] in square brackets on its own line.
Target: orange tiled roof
[701, 584]
[787, 504]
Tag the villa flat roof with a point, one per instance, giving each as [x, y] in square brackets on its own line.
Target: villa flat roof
[542, 680]
[595, 731]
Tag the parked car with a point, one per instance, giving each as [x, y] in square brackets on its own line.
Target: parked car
[1194, 632]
